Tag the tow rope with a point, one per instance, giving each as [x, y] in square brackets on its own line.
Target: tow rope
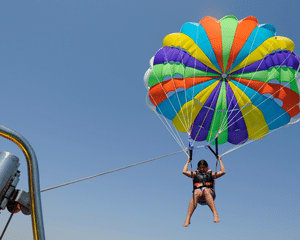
[6, 225]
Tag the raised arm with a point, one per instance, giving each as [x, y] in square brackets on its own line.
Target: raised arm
[185, 170]
[222, 169]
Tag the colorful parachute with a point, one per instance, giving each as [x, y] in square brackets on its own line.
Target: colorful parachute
[235, 79]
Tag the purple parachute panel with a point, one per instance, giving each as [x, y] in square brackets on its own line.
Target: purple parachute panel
[202, 123]
[171, 54]
[237, 129]
[282, 58]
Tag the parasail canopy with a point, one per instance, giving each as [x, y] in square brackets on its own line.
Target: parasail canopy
[228, 78]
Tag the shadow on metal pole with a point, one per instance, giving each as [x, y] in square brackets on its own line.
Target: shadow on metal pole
[33, 180]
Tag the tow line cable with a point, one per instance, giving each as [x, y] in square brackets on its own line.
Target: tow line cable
[110, 171]
[3, 232]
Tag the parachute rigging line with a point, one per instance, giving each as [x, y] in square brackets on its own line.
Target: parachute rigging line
[173, 133]
[165, 122]
[243, 56]
[247, 59]
[268, 97]
[247, 86]
[251, 141]
[232, 123]
[216, 95]
[183, 124]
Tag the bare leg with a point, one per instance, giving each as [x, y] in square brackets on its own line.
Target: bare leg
[210, 202]
[192, 206]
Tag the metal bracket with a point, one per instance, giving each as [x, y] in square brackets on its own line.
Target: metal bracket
[23, 198]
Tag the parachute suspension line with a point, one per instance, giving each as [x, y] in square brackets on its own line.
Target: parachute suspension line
[224, 124]
[269, 97]
[153, 109]
[237, 101]
[162, 87]
[185, 87]
[251, 141]
[215, 138]
[173, 133]
[200, 127]
[247, 59]
[278, 118]
[183, 122]
[187, 109]
[230, 124]
[218, 131]
[193, 86]
[233, 96]
[211, 103]
[202, 87]
[6, 225]
[233, 149]
[111, 171]
[185, 125]
[248, 142]
[166, 123]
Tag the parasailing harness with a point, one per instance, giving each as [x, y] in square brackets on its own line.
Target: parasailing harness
[205, 178]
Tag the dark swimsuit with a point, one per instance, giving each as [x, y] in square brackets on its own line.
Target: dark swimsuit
[207, 182]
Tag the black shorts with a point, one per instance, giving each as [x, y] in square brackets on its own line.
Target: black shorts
[202, 200]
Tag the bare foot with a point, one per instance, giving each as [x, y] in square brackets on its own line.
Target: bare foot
[216, 219]
[186, 224]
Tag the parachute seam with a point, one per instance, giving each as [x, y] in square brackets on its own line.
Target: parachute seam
[242, 72]
[167, 125]
[160, 83]
[253, 140]
[247, 86]
[205, 116]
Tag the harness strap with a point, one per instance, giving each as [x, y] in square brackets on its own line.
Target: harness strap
[191, 147]
[205, 184]
[216, 152]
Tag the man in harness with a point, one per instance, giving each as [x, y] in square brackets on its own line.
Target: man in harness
[203, 183]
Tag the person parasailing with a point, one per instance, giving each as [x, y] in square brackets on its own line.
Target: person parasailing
[203, 187]
[218, 86]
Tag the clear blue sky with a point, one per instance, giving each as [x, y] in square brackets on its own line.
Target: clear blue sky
[71, 76]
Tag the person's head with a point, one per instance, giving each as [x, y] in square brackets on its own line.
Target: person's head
[202, 166]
